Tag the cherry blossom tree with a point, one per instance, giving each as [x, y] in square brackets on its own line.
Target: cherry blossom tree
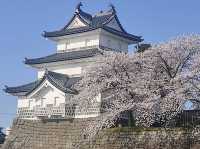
[152, 84]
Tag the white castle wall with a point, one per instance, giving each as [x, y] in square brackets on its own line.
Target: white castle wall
[71, 68]
[49, 96]
[99, 39]
[46, 95]
[23, 102]
[77, 42]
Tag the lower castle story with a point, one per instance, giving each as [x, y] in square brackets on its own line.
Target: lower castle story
[51, 98]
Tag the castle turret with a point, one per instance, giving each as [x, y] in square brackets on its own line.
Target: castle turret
[84, 38]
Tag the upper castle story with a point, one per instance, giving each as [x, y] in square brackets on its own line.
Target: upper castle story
[99, 30]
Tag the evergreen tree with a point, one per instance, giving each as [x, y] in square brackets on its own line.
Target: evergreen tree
[2, 136]
[142, 47]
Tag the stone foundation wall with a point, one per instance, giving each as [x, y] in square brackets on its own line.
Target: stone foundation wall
[64, 133]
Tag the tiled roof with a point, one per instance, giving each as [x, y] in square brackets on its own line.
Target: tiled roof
[101, 19]
[68, 31]
[92, 23]
[60, 81]
[64, 56]
[122, 34]
[87, 28]
[23, 89]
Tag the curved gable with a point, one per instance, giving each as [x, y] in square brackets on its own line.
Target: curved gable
[43, 89]
[60, 82]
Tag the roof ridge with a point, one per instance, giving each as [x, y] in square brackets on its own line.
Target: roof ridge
[102, 13]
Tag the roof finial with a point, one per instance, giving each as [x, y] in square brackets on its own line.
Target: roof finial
[78, 7]
[43, 33]
[112, 8]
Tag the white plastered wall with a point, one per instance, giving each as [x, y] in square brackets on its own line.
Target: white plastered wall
[71, 68]
[78, 42]
[49, 97]
[23, 103]
[45, 95]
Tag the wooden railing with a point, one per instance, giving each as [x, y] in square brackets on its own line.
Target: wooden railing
[25, 113]
[62, 111]
[49, 111]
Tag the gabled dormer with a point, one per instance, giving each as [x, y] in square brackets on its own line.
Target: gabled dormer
[76, 23]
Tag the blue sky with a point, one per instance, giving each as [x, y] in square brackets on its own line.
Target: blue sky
[22, 22]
